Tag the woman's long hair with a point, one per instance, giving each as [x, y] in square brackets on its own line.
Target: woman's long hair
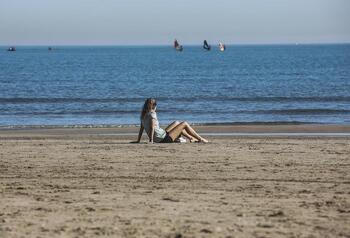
[148, 106]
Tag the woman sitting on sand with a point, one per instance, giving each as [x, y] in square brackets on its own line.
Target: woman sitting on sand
[150, 124]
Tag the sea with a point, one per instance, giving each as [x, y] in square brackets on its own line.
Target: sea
[107, 85]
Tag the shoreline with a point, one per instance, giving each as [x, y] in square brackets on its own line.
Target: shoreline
[202, 124]
[164, 125]
[221, 130]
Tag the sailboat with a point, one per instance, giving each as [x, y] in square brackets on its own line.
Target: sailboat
[11, 49]
[222, 46]
[206, 46]
[177, 46]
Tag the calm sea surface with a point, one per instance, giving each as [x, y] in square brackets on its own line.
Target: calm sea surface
[107, 85]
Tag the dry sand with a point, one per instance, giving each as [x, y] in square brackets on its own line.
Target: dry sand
[76, 183]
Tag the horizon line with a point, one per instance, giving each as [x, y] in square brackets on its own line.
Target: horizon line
[228, 44]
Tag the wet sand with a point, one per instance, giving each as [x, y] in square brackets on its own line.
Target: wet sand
[87, 182]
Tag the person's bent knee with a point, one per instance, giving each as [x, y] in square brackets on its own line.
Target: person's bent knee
[184, 123]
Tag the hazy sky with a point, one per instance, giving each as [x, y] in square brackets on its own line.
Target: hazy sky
[113, 22]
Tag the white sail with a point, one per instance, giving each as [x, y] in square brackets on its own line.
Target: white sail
[222, 46]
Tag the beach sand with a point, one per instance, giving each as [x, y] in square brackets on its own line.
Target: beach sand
[87, 182]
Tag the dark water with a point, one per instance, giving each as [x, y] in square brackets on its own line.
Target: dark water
[107, 85]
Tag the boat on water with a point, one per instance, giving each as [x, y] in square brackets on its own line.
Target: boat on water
[177, 46]
[206, 46]
[11, 49]
[222, 46]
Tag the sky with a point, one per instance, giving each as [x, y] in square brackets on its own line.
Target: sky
[153, 22]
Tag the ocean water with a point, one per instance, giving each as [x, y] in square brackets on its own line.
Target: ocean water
[107, 85]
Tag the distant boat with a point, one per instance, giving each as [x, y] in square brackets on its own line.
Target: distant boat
[206, 46]
[11, 49]
[222, 46]
[177, 46]
[50, 48]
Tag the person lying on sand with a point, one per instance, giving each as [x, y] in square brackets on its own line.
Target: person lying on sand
[150, 124]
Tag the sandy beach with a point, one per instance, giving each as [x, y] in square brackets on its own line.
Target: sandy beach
[92, 182]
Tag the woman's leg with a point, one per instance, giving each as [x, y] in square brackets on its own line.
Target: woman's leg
[188, 136]
[171, 126]
[184, 132]
[177, 131]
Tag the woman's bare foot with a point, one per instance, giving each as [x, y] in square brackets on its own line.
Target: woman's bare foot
[202, 140]
[192, 140]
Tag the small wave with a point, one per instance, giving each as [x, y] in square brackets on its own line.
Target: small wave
[67, 100]
[280, 99]
[303, 111]
[201, 112]
[175, 99]
[88, 112]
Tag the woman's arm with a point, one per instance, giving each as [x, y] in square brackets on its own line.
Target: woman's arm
[152, 130]
[140, 134]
